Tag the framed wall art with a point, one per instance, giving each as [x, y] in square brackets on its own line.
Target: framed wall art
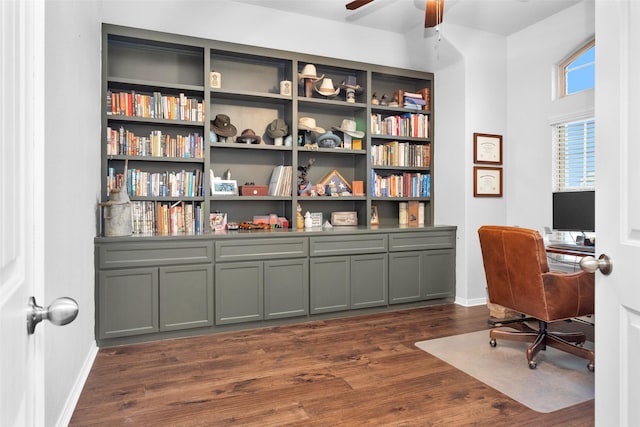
[487, 181]
[224, 187]
[487, 149]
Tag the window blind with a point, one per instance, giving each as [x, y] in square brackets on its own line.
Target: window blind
[574, 165]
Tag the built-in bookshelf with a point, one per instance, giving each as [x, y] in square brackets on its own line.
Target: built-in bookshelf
[163, 91]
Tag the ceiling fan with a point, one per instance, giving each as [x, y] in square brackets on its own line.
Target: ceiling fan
[432, 16]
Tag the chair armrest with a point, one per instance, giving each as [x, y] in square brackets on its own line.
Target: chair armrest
[568, 295]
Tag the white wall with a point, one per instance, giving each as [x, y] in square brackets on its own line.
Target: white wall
[72, 189]
[532, 56]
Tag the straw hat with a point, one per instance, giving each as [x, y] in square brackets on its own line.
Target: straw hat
[309, 72]
[349, 127]
[326, 88]
[307, 123]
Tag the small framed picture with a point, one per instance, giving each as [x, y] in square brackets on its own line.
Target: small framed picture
[487, 182]
[487, 148]
[217, 221]
[224, 187]
[374, 215]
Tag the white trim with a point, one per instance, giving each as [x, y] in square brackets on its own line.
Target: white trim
[76, 390]
[573, 117]
[471, 302]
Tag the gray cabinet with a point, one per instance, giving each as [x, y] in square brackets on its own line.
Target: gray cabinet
[145, 288]
[343, 282]
[415, 274]
[248, 291]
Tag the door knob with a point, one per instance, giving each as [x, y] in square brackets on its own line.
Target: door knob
[603, 263]
[62, 311]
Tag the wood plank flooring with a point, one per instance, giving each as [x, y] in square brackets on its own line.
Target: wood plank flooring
[358, 371]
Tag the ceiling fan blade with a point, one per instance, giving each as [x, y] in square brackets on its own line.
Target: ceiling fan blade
[357, 3]
[433, 13]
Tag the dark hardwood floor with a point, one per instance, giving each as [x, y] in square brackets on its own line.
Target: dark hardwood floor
[357, 371]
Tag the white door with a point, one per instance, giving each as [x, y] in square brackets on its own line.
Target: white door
[617, 101]
[22, 54]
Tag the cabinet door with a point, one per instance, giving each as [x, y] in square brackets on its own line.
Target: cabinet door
[127, 302]
[440, 281]
[286, 288]
[368, 280]
[406, 272]
[238, 292]
[186, 297]
[329, 284]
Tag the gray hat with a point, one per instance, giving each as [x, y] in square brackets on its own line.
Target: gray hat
[277, 128]
[222, 126]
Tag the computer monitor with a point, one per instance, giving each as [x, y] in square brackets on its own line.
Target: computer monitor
[574, 211]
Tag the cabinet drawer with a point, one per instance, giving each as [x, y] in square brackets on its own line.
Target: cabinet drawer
[348, 245]
[137, 254]
[421, 241]
[261, 249]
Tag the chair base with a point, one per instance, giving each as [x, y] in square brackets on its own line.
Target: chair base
[569, 342]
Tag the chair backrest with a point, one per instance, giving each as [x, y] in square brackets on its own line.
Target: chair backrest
[514, 260]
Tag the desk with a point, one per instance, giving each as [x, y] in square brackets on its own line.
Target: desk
[573, 252]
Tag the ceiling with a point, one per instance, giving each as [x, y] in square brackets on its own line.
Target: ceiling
[503, 17]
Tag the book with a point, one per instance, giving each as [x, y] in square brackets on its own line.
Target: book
[403, 213]
[414, 212]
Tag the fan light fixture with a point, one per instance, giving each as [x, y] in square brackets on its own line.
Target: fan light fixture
[432, 15]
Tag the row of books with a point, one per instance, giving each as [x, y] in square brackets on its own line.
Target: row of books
[419, 100]
[280, 182]
[158, 184]
[401, 185]
[163, 218]
[124, 142]
[407, 124]
[395, 153]
[155, 106]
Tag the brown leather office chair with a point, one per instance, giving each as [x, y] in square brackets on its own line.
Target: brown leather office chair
[518, 277]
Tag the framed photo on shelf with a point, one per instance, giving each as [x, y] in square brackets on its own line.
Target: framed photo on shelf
[224, 187]
[487, 148]
[374, 215]
[487, 181]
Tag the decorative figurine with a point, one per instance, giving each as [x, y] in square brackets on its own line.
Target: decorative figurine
[299, 218]
[308, 222]
[304, 186]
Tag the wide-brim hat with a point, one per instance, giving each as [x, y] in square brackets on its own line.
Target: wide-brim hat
[249, 136]
[222, 126]
[277, 128]
[350, 83]
[328, 140]
[308, 123]
[309, 72]
[326, 88]
[349, 127]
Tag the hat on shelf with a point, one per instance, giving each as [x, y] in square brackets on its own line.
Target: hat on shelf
[277, 128]
[309, 72]
[307, 123]
[349, 127]
[326, 88]
[328, 140]
[249, 136]
[350, 83]
[222, 126]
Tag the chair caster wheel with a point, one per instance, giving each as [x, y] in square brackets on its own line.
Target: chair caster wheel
[492, 342]
[532, 364]
[591, 367]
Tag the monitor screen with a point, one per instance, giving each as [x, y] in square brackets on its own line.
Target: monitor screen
[574, 211]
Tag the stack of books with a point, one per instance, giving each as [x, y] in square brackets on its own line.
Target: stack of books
[419, 100]
[280, 183]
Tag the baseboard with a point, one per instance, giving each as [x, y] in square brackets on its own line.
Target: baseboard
[76, 390]
[470, 302]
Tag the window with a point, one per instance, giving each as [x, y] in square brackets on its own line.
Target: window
[574, 165]
[578, 72]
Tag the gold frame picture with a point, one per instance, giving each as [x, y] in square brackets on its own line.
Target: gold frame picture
[487, 182]
[487, 149]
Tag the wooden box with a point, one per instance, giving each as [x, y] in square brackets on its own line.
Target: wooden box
[253, 190]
